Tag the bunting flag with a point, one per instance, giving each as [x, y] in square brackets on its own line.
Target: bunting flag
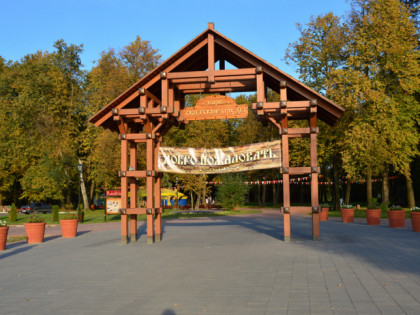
[304, 181]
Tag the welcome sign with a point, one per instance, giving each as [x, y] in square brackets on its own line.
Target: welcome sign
[220, 160]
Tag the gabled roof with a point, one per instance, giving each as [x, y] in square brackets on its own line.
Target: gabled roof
[194, 57]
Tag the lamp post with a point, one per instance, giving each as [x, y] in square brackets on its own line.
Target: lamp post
[177, 200]
[80, 169]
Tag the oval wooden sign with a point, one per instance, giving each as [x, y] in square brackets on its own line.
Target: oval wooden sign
[216, 107]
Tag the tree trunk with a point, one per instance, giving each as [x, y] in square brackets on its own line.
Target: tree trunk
[92, 190]
[348, 189]
[192, 200]
[274, 194]
[385, 188]
[368, 185]
[336, 188]
[410, 192]
[83, 190]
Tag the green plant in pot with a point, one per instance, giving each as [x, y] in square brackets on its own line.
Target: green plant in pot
[4, 229]
[373, 212]
[35, 229]
[323, 215]
[415, 218]
[68, 224]
[396, 216]
[347, 213]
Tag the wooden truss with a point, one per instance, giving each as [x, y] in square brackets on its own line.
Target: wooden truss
[148, 109]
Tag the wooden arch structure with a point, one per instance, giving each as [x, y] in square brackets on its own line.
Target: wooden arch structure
[149, 108]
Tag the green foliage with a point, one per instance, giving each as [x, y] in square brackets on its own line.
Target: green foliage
[13, 213]
[3, 223]
[36, 218]
[233, 191]
[55, 215]
[82, 216]
[373, 203]
[394, 208]
[70, 216]
[344, 206]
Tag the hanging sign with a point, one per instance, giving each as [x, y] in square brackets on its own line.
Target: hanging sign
[221, 160]
[216, 107]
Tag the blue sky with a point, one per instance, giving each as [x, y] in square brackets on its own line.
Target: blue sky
[265, 27]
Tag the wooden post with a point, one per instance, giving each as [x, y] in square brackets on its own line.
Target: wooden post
[133, 192]
[211, 58]
[285, 165]
[149, 199]
[314, 177]
[124, 191]
[158, 202]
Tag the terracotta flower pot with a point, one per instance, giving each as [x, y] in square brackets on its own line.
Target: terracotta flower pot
[347, 215]
[415, 220]
[396, 218]
[3, 236]
[68, 228]
[373, 216]
[323, 215]
[35, 232]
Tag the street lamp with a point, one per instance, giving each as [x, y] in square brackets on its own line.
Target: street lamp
[177, 200]
[80, 169]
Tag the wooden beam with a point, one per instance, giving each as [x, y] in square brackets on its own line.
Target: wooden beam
[217, 73]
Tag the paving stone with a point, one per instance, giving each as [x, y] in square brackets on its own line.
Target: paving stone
[226, 265]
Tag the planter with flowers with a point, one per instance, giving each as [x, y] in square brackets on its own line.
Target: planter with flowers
[4, 229]
[415, 218]
[373, 212]
[35, 229]
[323, 215]
[68, 225]
[396, 217]
[347, 213]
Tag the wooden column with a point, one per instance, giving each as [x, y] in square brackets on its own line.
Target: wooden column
[210, 55]
[158, 202]
[314, 171]
[124, 192]
[133, 192]
[150, 191]
[285, 160]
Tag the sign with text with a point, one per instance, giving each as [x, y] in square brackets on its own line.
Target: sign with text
[216, 107]
[221, 160]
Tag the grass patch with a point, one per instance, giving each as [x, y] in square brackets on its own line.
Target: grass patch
[98, 216]
[13, 239]
[361, 213]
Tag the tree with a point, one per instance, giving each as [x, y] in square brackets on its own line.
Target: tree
[322, 48]
[381, 77]
[232, 192]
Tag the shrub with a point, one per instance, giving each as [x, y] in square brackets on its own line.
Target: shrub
[3, 223]
[36, 218]
[55, 210]
[13, 213]
[82, 216]
[233, 191]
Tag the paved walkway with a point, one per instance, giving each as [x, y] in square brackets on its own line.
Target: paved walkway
[225, 265]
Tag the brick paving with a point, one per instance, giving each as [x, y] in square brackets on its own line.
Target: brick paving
[222, 265]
